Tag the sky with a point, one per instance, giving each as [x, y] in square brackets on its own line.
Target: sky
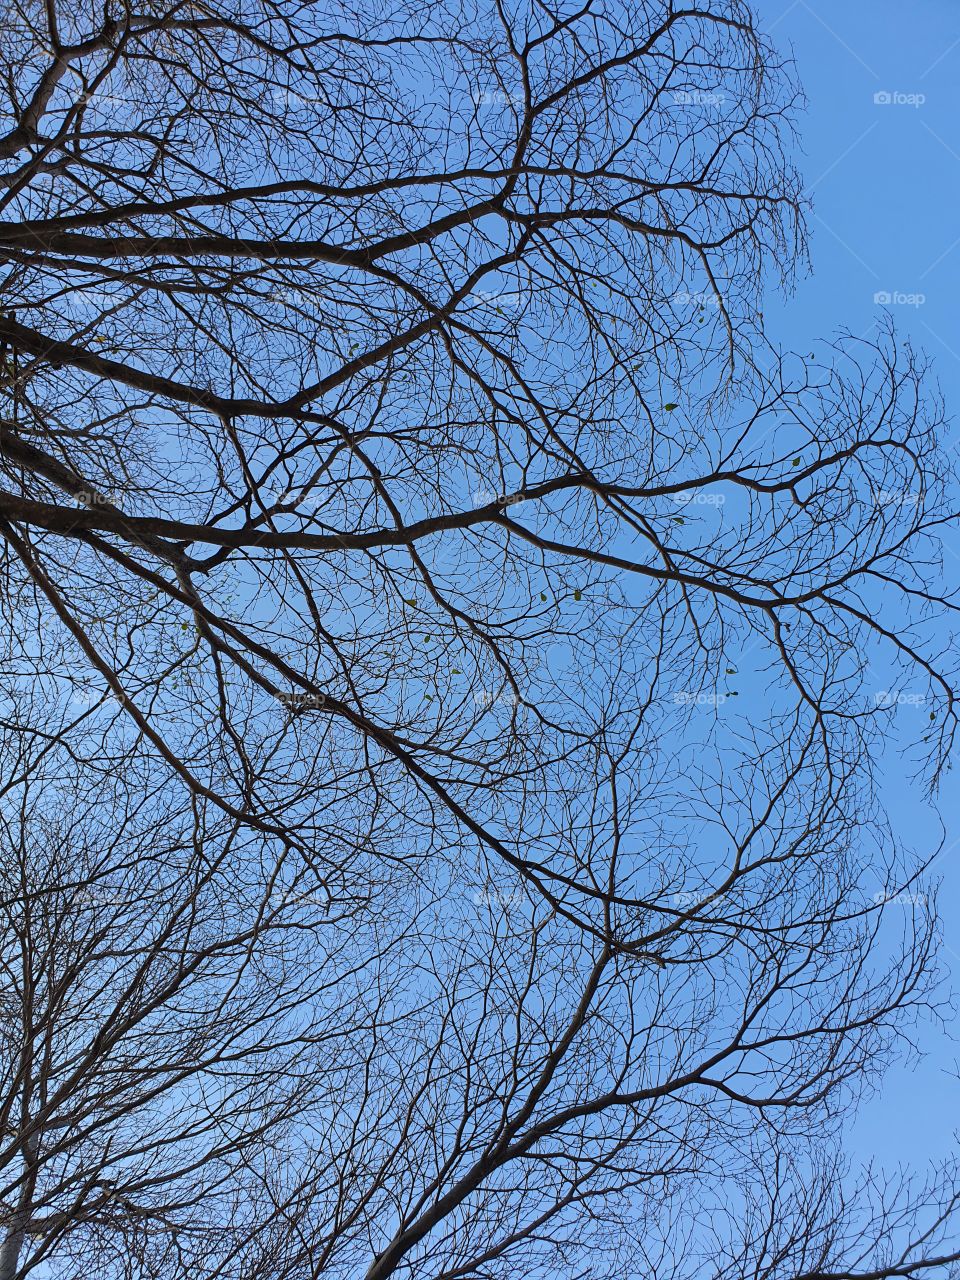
[881, 159]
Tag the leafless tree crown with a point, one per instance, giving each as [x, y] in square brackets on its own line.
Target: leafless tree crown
[439, 643]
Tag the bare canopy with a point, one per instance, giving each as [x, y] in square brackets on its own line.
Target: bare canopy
[439, 834]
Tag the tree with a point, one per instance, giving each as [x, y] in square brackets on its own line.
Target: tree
[404, 507]
[167, 1022]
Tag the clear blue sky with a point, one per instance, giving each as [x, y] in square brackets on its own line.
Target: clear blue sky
[884, 178]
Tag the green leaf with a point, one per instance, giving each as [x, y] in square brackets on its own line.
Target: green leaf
[670, 406]
[577, 594]
[543, 596]
[731, 671]
[796, 462]
[933, 715]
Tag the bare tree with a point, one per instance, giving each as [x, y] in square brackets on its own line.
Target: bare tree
[403, 505]
[167, 1020]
